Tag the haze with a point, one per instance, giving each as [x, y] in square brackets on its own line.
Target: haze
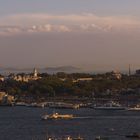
[89, 34]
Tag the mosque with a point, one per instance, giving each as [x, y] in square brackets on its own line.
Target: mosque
[27, 77]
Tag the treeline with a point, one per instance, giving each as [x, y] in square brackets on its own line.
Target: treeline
[53, 86]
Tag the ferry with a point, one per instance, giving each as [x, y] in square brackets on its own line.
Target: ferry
[56, 116]
[135, 108]
[109, 106]
[62, 105]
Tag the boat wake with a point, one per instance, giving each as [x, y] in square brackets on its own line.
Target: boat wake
[84, 117]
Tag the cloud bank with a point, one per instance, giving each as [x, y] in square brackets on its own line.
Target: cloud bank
[88, 22]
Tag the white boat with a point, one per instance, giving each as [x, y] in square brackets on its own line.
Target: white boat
[72, 138]
[133, 109]
[109, 106]
[56, 116]
[101, 138]
[66, 138]
[20, 104]
[62, 105]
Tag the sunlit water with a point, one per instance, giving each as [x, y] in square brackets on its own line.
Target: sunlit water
[24, 123]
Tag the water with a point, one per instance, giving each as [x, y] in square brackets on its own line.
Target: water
[24, 123]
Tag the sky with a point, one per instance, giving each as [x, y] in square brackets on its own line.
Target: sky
[88, 34]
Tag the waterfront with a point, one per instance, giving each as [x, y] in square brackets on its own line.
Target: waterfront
[24, 123]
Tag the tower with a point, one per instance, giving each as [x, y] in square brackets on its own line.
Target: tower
[129, 72]
[35, 72]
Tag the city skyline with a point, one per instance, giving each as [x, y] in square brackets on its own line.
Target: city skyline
[91, 35]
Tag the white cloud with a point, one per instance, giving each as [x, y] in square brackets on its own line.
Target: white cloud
[63, 28]
[92, 27]
[10, 30]
[30, 23]
[41, 28]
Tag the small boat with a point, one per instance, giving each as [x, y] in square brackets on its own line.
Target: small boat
[133, 135]
[78, 138]
[101, 138]
[66, 138]
[56, 116]
[50, 138]
[72, 138]
[134, 109]
[20, 104]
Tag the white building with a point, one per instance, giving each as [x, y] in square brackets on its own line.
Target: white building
[27, 77]
[83, 79]
[1, 78]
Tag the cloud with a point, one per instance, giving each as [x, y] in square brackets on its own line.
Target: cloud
[87, 22]
[10, 30]
[40, 28]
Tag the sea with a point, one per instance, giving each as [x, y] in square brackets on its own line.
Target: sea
[24, 123]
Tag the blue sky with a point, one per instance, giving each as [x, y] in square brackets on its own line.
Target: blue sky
[90, 34]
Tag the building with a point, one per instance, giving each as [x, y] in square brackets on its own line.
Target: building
[35, 73]
[82, 79]
[1, 78]
[78, 80]
[138, 72]
[27, 77]
[116, 75]
[6, 99]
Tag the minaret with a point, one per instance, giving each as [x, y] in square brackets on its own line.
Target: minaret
[129, 73]
[35, 72]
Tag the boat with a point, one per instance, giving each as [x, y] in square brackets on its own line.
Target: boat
[41, 105]
[56, 116]
[109, 106]
[78, 138]
[135, 108]
[66, 138]
[62, 105]
[72, 138]
[133, 135]
[101, 138]
[20, 104]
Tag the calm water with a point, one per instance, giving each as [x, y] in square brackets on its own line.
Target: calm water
[24, 123]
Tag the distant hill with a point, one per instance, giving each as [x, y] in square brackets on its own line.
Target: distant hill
[67, 69]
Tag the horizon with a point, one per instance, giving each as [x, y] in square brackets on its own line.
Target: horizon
[65, 69]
